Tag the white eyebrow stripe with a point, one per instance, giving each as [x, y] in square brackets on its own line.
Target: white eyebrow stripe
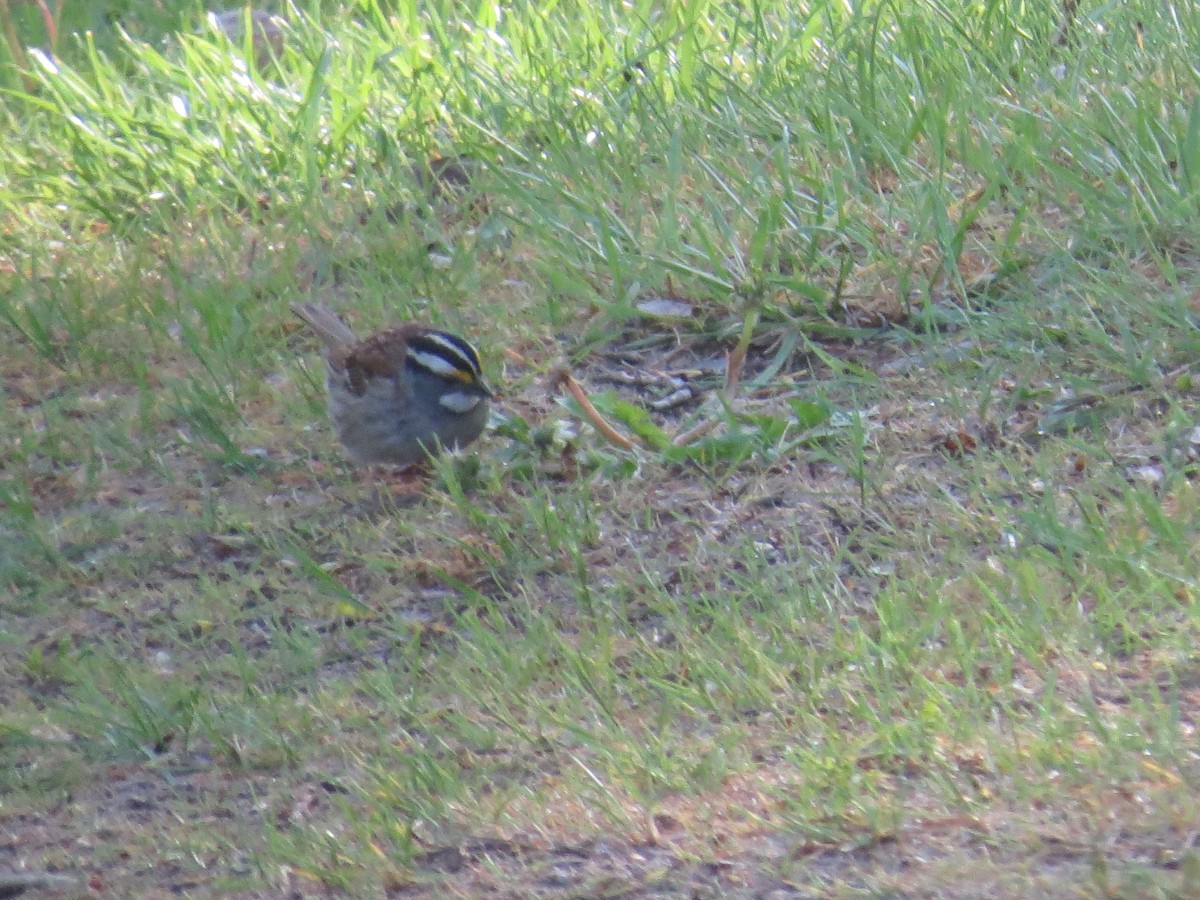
[433, 362]
[457, 401]
[451, 348]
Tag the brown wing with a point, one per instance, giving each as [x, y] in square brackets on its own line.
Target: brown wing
[381, 355]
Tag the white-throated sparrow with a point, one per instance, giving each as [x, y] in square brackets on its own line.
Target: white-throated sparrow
[401, 394]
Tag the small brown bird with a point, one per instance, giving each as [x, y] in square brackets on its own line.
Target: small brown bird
[402, 394]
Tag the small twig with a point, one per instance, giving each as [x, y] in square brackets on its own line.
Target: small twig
[678, 397]
[562, 378]
[251, 254]
[50, 20]
[737, 356]
[694, 433]
[733, 369]
[649, 379]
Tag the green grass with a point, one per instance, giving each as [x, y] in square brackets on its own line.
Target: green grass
[910, 609]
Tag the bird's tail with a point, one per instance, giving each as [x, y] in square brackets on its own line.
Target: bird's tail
[324, 321]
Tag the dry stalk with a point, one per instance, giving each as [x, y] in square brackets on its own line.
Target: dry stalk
[562, 378]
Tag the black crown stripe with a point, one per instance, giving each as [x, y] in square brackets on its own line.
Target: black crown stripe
[450, 347]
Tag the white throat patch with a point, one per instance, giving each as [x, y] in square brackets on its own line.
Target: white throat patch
[459, 402]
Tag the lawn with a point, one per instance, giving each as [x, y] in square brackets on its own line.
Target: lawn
[836, 533]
